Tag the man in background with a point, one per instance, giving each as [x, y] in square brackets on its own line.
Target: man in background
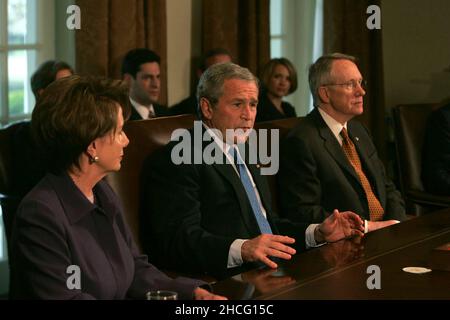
[48, 72]
[141, 70]
[213, 56]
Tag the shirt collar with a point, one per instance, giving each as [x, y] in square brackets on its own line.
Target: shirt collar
[75, 204]
[335, 126]
[225, 147]
[144, 111]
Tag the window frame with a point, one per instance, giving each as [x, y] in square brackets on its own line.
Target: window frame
[42, 11]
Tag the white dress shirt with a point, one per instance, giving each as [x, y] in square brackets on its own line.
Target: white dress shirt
[335, 126]
[145, 112]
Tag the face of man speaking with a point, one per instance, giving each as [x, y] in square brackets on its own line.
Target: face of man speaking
[235, 110]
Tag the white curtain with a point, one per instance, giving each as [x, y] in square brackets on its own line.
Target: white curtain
[298, 36]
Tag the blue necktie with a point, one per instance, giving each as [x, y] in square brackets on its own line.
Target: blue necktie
[251, 193]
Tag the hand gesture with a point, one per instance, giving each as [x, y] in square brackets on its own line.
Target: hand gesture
[340, 225]
[267, 245]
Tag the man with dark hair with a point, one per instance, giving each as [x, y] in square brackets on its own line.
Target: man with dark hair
[329, 161]
[213, 56]
[216, 218]
[48, 72]
[141, 70]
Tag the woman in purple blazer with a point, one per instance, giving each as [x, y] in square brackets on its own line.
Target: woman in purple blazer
[70, 240]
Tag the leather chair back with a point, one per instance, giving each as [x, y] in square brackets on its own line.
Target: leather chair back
[410, 124]
[6, 159]
[146, 136]
[9, 199]
[284, 126]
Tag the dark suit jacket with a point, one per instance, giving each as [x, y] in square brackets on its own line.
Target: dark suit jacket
[191, 214]
[186, 106]
[316, 177]
[160, 111]
[268, 112]
[28, 165]
[57, 226]
[436, 152]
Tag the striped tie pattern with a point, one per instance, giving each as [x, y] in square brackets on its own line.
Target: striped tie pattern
[375, 208]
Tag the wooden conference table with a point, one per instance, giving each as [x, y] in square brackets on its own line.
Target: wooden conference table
[340, 270]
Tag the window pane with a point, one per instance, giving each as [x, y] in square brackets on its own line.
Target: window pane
[275, 48]
[276, 14]
[20, 64]
[21, 21]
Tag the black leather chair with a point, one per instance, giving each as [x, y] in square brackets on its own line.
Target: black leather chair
[9, 200]
[146, 136]
[284, 126]
[410, 123]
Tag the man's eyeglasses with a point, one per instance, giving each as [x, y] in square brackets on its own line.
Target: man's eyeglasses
[349, 85]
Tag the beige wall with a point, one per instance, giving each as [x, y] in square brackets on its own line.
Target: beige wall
[183, 42]
[416, 50]
[178, 49]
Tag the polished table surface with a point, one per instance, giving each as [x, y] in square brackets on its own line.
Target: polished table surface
[340, 270]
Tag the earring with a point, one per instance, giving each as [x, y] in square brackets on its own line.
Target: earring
[93, 159]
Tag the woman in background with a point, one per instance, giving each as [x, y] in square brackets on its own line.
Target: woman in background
[70, 240]
[279, 79]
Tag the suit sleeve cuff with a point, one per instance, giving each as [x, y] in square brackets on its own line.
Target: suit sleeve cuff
[234, 255]
[309, 236]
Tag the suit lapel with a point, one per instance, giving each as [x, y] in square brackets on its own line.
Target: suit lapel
[227, 171]
[134, 114]
[332, 145]
[229, 174]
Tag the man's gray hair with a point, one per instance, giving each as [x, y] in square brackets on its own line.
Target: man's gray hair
[319, 72]
[211, 82]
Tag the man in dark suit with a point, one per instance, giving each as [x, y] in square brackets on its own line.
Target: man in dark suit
[213, 56]
[436, 155]
[28, 173]
[215, 217]
[141, 69]
[329, 161]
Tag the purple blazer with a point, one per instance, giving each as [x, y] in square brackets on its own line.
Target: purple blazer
[57, 227]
